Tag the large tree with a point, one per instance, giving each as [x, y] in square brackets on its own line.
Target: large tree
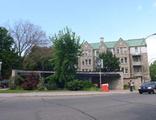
[110, 62]
[66, 49]
[8, 56]
[39, 58]
[26, 35]
[153, 71]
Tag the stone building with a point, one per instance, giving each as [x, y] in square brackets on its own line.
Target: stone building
[132, 54]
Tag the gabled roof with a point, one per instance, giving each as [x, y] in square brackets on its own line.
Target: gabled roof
[130, 43]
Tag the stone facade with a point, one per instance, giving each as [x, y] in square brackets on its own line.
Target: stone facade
[131, 53]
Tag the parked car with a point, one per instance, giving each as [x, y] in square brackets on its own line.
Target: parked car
[149, 87]
[4, 83]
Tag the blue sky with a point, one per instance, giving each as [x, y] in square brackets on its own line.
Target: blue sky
[91, 19]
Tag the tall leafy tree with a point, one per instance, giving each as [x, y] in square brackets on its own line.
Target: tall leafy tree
[153, 71]
[66, 49]
[110, 62]
[8, 56]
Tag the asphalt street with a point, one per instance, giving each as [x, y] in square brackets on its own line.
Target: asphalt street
[129, 106]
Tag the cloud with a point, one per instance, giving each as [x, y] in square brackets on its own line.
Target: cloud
[139, 7]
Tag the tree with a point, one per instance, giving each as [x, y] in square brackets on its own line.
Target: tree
[110, 62]
[26, 35]
[8, 55]
[66, 49]
[153, 71]
[38, 59]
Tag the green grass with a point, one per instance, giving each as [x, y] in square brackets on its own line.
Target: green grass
[92, 89]
[15, 91]
[29, 91]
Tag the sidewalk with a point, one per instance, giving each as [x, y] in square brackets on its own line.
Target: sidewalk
[64, 93]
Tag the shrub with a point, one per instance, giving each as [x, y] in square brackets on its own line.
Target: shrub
[87, 84]
[126, 86]
[74, 85]
[18, 80]
[79, 85]
[51, 83]
[30, 83]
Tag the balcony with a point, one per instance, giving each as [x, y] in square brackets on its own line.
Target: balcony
[137, 74]
[137, 63]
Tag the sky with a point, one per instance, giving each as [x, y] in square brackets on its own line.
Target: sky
[90, 19]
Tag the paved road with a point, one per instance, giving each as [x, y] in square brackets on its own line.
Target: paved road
[130, 106]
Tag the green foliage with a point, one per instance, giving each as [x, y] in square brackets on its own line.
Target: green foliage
[74, 85]
[110, 62]
[126, 86]
[51, 83]
[79, 85]
[153, 71]
[8, 56]
[38, 59]
[66, 49]
[18, 80]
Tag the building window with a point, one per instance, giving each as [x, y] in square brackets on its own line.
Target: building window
[121, 50]
[137, 58]
[122, 69]
[118, 50]
[126, 70]
[82, 62]
[136, 49]
[86, 61]
[125, 59]
[97, 53]
[125, 50]
[137, 69]
[121, 60]
[89, 61]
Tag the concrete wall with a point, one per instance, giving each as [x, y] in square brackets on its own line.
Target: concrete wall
[137, 82]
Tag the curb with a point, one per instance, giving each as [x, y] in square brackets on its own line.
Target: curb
[56, 94]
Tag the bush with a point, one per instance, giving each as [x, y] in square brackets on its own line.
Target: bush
[18, 80]
[30, 83]
[74, 85]
[87, 84]
[78, 85]
[51, 83]
[126, 86]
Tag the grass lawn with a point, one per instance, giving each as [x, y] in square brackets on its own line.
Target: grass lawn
[16, 91]
[29, 91]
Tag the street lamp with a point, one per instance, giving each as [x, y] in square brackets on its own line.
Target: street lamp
[151, 61]
[150, 35]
